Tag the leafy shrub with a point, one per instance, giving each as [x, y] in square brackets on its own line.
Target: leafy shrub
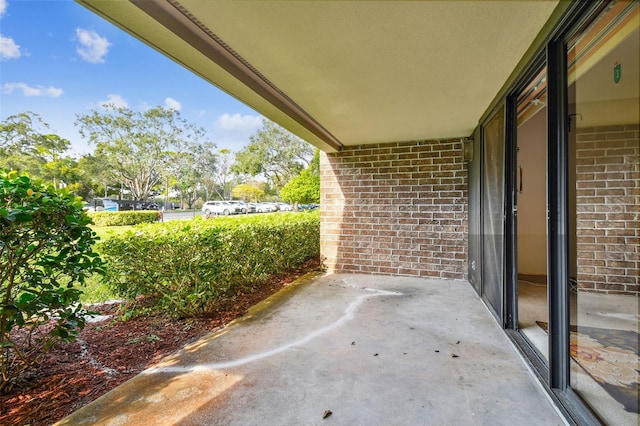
[45, 250]
[124, 218]
[186, 266]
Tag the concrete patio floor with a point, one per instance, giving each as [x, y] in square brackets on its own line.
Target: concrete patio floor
[372, 350]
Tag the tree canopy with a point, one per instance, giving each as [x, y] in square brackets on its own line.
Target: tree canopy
[27, 145]
[304, 188]
[274, 153]
[138, 146]
[247, 192]
[152, 153]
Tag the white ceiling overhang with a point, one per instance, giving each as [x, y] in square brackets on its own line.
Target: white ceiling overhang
[345, 72]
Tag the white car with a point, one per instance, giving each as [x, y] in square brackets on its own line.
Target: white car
[241, 206]
[284, 207]
[218, 207]
[266, 207]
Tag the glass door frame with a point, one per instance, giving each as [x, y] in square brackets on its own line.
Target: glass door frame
[554, 375]
[510, 319]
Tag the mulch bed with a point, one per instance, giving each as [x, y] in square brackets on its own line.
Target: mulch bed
[108, 353]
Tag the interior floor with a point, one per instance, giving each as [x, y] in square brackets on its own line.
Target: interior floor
[605, 311]
[532, 307]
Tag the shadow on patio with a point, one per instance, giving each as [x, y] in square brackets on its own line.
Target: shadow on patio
[371, 349]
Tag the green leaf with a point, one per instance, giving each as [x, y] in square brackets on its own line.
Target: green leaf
[26, 298]
[35, 222]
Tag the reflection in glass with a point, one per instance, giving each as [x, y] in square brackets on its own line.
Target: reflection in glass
[604, 102]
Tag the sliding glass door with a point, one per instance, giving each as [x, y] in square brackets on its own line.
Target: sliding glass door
[571, 202]
[603, 81]
[492, 208]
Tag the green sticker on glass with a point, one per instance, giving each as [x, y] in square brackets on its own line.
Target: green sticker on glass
[617, 73]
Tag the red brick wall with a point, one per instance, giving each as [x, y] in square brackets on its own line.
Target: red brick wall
[607, 200]
[396, 208]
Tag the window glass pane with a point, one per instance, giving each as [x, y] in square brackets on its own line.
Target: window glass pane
[493, 212]
[604, 102]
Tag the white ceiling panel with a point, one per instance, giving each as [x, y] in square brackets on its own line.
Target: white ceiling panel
[360, 71]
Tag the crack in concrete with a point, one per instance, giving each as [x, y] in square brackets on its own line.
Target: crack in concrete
[348, 315]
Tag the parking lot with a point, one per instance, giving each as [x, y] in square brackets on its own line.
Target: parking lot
[184, 214]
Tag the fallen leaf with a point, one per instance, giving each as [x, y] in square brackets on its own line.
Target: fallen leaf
[326, 414]
[454, 356]
[353, 343]
[376, 354]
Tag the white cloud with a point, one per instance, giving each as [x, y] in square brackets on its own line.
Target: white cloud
[8, 48]
[3, 7]
[171, 103]
[233, 130]
[93, 48]
[115, 101]
[51, 92]
[143, 106]
[227, 122]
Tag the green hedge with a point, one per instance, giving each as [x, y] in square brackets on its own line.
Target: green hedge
[184, 267]
[124, 218]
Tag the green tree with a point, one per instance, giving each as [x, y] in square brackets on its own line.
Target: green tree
[26, 145]
[223, 177]
[247, 192]
[56, 168]
[187, 176]
[275, 153]
[46, 251]
[19, 132]
[95, 179]
[304, 188]
[206, 164]
[135, 146]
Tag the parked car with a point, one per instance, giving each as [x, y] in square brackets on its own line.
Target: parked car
[308, 206]
[218, 207]
[252, 207]
[240, 206]
[150, 206]
[266, 207]
[285, 207]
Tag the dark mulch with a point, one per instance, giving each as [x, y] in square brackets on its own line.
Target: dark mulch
[110, 352]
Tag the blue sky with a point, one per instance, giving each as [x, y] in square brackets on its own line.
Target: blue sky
[58, 59]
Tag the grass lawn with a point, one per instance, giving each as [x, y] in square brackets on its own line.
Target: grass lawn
[104, 232]
[95, 290]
